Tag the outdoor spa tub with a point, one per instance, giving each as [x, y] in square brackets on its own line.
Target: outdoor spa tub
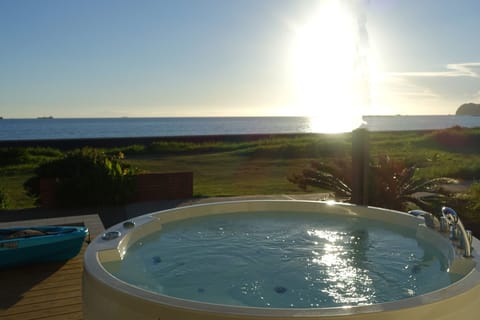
[282, 260]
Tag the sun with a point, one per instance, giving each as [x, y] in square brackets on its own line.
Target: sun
[330, 70]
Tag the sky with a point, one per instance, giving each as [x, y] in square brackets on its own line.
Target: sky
[155, 58]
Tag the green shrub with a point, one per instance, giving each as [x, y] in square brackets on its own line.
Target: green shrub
[175, 147]
[44, 152]
[468, 207]
[129, 150]
[13, 156]
[19, 156]
[86, 177]
[473, 197]
[4, 202]
[456, 139]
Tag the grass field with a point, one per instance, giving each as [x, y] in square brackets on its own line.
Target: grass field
[262, 166]
[227, 174]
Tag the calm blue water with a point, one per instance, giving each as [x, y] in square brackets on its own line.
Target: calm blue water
[32, 129]
[283, 260]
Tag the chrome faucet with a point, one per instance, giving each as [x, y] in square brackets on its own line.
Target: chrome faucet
[456, 226]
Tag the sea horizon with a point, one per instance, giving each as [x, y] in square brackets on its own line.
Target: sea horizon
[49, 117]
[46, 128]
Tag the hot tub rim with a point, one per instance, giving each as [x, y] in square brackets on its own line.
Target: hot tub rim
[95, 269]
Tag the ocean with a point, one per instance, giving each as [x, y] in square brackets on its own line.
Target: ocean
[44, 129]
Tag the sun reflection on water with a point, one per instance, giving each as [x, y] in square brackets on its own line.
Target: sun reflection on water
[340, 123]
[346, 282]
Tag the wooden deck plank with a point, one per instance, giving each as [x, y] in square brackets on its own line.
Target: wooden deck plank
[38, 294]
[60, 278]
[46, 297]
[67, 316]
[41, 281]
[47, 308]
[48, 314]
[53, 292]
[60, 316]
[45, 291]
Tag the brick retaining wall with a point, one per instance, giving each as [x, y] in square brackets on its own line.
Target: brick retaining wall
[164, 186]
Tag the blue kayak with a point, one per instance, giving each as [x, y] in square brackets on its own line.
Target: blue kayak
[25, 245]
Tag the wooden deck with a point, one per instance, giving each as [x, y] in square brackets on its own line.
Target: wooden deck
[53, 291]
[46, 291]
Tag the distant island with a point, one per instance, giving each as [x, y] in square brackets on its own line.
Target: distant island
[47, 117]
[468, 109]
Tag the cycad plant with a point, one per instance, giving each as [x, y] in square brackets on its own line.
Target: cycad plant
[336, 177]
[391, 183]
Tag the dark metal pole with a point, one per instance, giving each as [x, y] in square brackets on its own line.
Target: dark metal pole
[360, 166]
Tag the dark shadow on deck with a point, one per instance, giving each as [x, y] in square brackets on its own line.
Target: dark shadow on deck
[16, 281]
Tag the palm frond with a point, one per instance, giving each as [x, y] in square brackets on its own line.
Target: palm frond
[392, 184]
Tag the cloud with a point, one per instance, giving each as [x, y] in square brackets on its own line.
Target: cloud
[466, 69]
[476, 97]
[431, 92]
[455, 84]
[403, 86]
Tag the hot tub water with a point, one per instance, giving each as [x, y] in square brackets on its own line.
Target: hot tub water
[283, 260]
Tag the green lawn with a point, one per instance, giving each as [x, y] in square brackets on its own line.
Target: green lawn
[262, 166]
[11, 182]
[228, 174]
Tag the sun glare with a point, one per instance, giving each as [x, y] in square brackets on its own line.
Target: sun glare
[329, 69]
